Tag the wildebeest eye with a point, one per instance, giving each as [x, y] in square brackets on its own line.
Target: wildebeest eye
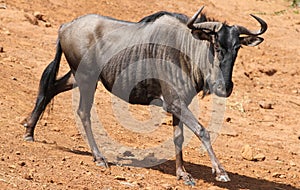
[217, 48]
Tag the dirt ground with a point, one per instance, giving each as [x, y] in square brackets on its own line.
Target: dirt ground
[60, 159]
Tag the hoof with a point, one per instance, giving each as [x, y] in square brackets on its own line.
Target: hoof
[187, 179]
[223, 178]
[101, 163]
[28, 138]
[190, 183]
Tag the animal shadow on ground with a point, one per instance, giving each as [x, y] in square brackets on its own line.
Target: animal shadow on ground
[237, 182]
[74, 151]
[202, 172]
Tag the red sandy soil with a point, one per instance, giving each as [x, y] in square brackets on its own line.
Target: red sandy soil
[61, 159]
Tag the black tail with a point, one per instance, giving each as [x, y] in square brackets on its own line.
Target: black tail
[48, 79]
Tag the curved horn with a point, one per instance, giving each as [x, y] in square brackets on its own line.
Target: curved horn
[191, 21]
[210, 26]
[262, 30]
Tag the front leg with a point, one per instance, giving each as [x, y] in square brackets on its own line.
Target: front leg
[178, 141]
[84, 112]
[181, 111]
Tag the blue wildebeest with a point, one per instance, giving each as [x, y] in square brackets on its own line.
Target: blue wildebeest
[165, 57]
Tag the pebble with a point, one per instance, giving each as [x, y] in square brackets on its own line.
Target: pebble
[12, 166]
[28, 176]
[278, 175]
[121, 178]
[127, 183]
[297, 91]
[265, 105]
[38, 15]
[6, 32]
[3, 6]
[292, 163]
[83, 163]
[31, 18]
[259, 157]
[247, 152]
[47, 24]
[22, 163]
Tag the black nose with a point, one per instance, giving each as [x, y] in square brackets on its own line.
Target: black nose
[222, 89]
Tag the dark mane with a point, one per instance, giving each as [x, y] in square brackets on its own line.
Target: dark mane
[181, 17]
[151, 18]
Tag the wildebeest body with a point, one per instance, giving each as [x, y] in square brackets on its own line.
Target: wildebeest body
[159, 55]
[165, 57]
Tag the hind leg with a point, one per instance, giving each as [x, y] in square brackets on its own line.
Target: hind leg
[182, 112]
[63, 84]
[178, 141]
[84, 112]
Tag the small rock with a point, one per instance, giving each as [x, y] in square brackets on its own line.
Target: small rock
[1, 49]
[228, 119]
[265, 105]
[247, 152]
[32, 19]
[259, 157]
[22, 163]
[47, 24]
[121, 178]
[28, 176]
[12, 166]
[269, 72]
[38, 15]
[45, 123]
[292, 163]
[297, 91]
[56, 129]
[7, 32]
[18, 153]
[278, 175]
[127, 183]
[3, 6]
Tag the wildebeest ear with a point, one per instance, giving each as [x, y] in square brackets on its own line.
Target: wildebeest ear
[251, 40]
[200, 35]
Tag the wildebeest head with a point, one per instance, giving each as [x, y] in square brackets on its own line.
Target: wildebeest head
[225, 41]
